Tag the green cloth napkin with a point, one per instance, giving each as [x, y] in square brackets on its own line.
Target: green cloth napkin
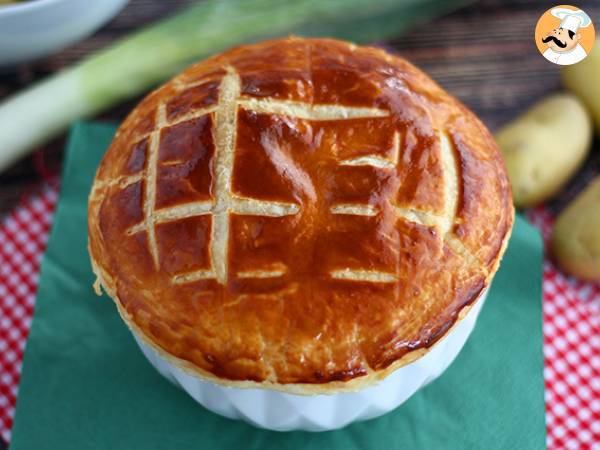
[85, 384]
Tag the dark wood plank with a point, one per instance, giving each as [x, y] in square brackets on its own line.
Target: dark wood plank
[484, 54]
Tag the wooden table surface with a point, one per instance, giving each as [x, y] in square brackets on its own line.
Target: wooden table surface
[484, 54]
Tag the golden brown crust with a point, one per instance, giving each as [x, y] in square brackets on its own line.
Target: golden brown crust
[310, 216]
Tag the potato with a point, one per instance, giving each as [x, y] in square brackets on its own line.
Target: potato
[576, 235]
[544, 147]
[583, 79]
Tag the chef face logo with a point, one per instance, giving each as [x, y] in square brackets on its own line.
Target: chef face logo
[561, 40]
[564, 35]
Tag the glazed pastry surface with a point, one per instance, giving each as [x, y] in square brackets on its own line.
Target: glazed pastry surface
[300, 214]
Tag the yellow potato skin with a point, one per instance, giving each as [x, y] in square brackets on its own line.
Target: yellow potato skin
[583, 79]
[576, 235]
[544, 147]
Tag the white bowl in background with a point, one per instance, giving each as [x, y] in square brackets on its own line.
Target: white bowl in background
[279, 411]
[33, 29]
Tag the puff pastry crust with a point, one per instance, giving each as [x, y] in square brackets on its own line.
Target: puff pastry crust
[304, 215]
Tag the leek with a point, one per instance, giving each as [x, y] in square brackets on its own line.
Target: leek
[152, 55]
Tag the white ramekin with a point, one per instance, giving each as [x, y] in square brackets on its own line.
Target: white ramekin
[284, 412]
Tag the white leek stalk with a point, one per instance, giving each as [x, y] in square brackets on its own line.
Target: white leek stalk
[152, 55]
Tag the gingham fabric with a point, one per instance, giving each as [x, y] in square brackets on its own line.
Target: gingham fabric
[571, 326]
[23, 236]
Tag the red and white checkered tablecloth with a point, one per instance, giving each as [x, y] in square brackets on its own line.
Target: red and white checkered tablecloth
[571, 325]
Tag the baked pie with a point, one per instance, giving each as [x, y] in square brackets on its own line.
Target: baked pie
[299, 215]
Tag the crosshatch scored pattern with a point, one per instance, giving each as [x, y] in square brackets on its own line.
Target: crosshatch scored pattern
[225, 203]
[298, 212]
